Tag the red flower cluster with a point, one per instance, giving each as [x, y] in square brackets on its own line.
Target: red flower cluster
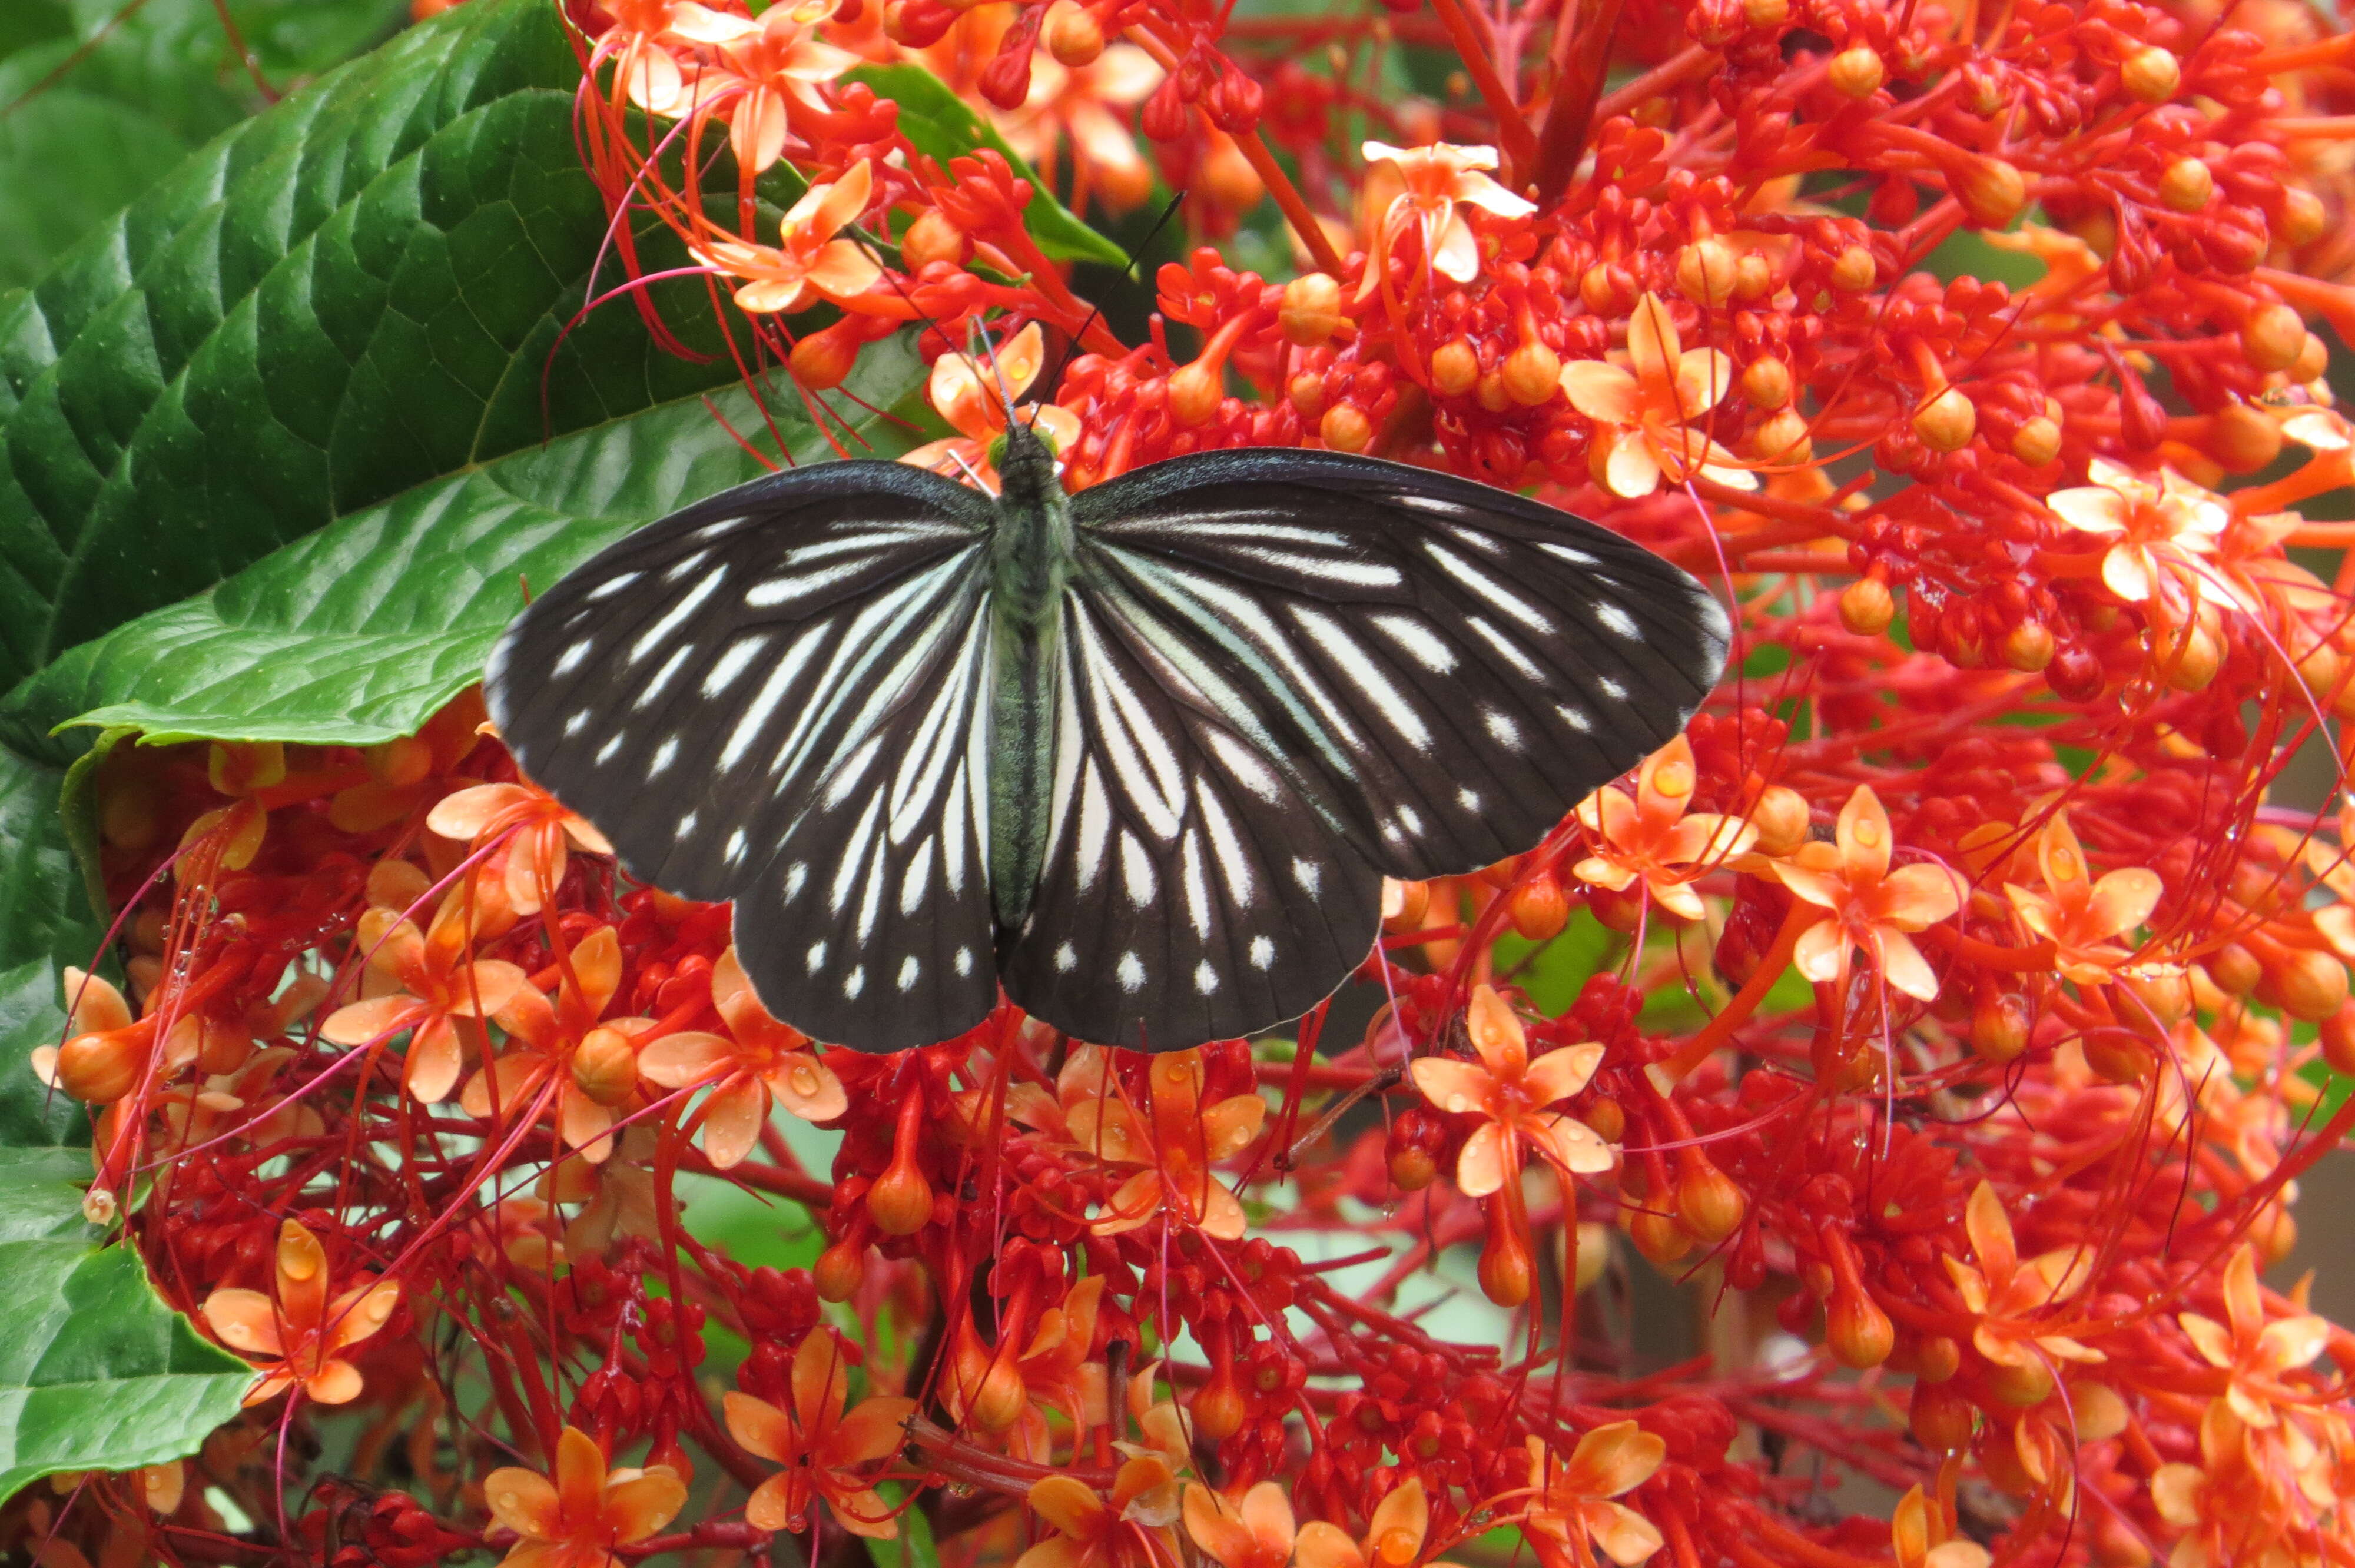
[1951, 1005]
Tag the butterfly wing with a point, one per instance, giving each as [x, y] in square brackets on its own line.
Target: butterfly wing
[1453, 665]
[772, 698]
[1191, 892]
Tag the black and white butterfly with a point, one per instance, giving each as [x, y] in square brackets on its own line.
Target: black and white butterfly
[1141, 756]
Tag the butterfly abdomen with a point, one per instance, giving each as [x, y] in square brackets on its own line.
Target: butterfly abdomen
[1030, 563]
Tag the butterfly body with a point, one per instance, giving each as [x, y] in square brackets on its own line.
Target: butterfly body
[1141, 755]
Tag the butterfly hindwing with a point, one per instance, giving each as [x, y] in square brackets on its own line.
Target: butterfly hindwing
[772, 698]
[1190, 892]
[1455, 665]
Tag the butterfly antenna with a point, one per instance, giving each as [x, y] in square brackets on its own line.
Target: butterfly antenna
[1095, 313]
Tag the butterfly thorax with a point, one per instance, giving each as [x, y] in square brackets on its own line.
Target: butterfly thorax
[1030, 561]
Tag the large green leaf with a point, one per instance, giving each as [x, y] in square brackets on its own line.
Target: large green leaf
[359, 632]
[96, 105]
[96, 1373]
[356, 293]
[940, 123]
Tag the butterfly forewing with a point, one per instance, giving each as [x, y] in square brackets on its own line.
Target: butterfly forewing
[1454, 667]
[1191, 892]
[775, 697]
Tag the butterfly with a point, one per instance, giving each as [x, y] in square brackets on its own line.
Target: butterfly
[1141, 755]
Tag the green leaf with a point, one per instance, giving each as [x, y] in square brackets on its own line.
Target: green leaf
[941, 125]
[40, 1193]
[96, 1372]
[356, 293]
[45, 924]
[357, 634]
[94, 105]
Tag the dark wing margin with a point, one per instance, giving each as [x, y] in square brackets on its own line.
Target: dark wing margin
[770, 697]
[1190, 891]
[1450, 667]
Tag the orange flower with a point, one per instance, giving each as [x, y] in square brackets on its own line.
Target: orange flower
[820, 1447]
[542, 827]
[763, 61]
[2257, 1352]
[1256, 1533]
[1394, 1536]
[1872, 907]
[1918, 1535]
[807, 263]
[1085, 106]
[592, 1067]
[1572, 1507]
[972, 395]
[1057, 1371]
[2009, 1297]
[1129, 1529]
[1644, 417]
[438, 984]
[1652, 840]
[1511, 1092]
[1433, 186]
[304, 1330]
[588, 1511]
[2080, 916]
[757, 1058]
[106, 1050]
[2162, 532]
[1186, 1139]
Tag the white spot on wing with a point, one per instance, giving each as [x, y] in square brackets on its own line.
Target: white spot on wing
[1487, 588]
[665, 755]
[964, 963]
[1469, 798]
[816, 957]
[1130, 973]
[797, 874]
[1262, 952]
[1136, 870]
[855, 981]
[611, 586]
[1571, 553]
[1358, 667]
[570, 660]
[1617, 621]
[730, 664]
[655, 636]
[1576, 719]
[1610, 688]
[912, 885]
[1501, 728]
[577, 723]
[1067, 958]
[606, 752]
[1308, 873]
[909, 968]
[1205, 978]
[686, 826]
[1234, 861]
[1428, 649]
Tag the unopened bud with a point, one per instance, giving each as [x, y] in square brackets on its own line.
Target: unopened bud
[605, 1066]
[1765, 14]
[99, 1068]
[1858, 72]
[1709, 1203]
[1785, 439]
[1999, 1031]
[1508, 1273]
[900, 1201]
[2151, 74]
[1311, 311]
[2303, 218]
[2337, 1032]
[1855, 270]
[1660, 1237]
[1345, 428]
[1540, 909]
[1455, 367]
[1754, 277]
[1227, 177]
[1404, 904]
[1867, 607]
[2187, 185]
[1942, 1418]
[1306, 392]
[1705, 273]
[840, 1269]
[1532, 373]
[1856, 1331]
[823, 359]
[2192, 662]
[2037, 442]
[1767, 383]
[933, 237]
[1219, 1410]
[1948, 421]
[1073, 34]
[2027, 647]
[2304, 984]
[2272, 337]
[1780, 819]
[2243, 439]
[1196, 390]
[1991, 191]
[2313, 361]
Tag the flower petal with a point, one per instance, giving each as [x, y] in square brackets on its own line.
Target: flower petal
[1821, 952]
[1461, 1087]
[1601, 391]
[642, 1505]
[1480, 1168]
[688, 1057]
[1559, 1073]
[732, 1120]
[244, 1321]
[760, 1427]
[2091, 509]
[524, 1501]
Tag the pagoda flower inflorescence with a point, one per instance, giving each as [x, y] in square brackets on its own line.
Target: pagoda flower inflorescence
[1951, 1014]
